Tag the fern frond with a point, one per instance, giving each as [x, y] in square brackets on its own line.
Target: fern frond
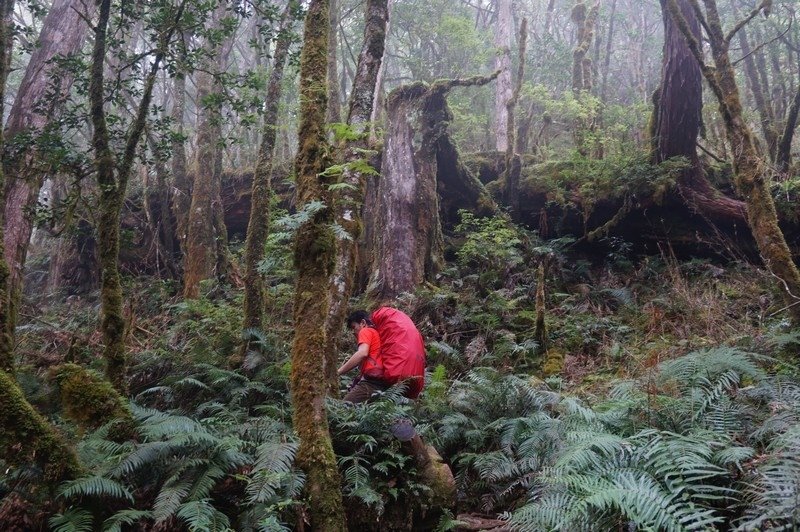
[95, 487]
[201, 516]
[72, 520]
[125, 517]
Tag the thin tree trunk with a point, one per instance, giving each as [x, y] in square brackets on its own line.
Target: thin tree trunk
[750, 175]
[378, 99]
[783, 158]
[315, 250]
[582, 67]
[258, 225]
[758, 91]
[355, 173]
[112, 180]
[513, 166]
[182, 194]
[503, 90]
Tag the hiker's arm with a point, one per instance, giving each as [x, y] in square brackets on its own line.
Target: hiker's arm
[355, 360]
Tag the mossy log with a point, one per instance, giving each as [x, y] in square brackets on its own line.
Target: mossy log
[27, 438]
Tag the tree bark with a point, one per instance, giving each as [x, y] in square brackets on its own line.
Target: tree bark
[62, 35]
[6, 315]
[314, 255]
[356, 169]
[503, 90]
[182, 193]
[402, 209]
[513, 166]
[677, 117]
[750, 175]
[113, 173]
[783, 157]
[582, 67]
[204, 258]
[258, 225]
[334, 113]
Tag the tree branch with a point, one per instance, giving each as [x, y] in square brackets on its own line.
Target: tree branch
[764, 5]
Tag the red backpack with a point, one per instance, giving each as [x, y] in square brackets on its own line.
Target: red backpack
[402, 349]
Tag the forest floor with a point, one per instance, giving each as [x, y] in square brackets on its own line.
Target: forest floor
[522, 442]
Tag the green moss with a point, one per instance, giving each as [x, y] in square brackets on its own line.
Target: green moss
[91, 401]
[553, 362]
[28, 438]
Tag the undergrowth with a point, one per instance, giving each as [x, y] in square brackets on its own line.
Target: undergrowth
[675, 408]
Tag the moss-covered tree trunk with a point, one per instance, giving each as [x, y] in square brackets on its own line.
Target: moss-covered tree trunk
[354, 156]
[6, 316]
[28, 438]
[315, 250]
[513, 166]
[112, 174]
[258, 225]
[751, 175]
[584, 21]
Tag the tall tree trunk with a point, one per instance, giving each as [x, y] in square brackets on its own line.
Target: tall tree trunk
[677, 117]
[378, 98]
[402, 208]
[6, 315]
[513, 166]
[63, 33]
[503, 90]
[783, 157]
[582, 67]
[759, 91]
[258, 225]
[205, 238]
[113, 174]
[334, 113]
[315, 250]
[182, 193]
[355, 173]
[750, 175]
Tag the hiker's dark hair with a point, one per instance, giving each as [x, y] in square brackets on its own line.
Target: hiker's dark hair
[357, 316]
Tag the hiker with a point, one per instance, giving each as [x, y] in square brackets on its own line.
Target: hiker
[367, 358]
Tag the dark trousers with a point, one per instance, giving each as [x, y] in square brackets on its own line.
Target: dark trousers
[364, 390]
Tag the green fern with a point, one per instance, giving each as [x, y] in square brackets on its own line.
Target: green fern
[72, 520]
[97, 487]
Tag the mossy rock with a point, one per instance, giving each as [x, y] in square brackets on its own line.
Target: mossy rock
[91, 401]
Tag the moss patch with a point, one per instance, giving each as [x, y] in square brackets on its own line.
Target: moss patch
[91, 401]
